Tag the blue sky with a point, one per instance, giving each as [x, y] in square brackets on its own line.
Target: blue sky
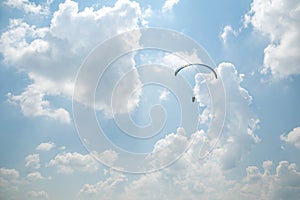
[52, 149]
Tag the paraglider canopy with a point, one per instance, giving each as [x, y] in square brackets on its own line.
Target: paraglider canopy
[199, 64]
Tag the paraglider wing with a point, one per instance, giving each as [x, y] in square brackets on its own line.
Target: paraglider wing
[215, 73]
[180, 68]
[199, 64]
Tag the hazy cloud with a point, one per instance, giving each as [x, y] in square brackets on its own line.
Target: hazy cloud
[32, 161]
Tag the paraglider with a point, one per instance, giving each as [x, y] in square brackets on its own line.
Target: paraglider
[199, 64]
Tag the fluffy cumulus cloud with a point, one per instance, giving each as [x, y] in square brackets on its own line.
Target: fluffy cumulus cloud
[205, 180]
[33, 176]
[144, 187]
[169, 148]
[26, 6]
[33, 103]
[12, 185]
[169, 4]
[105, 189]
[292, 137]
[227, 30]
[284, 183]
[108, 157]
[51, 55]
[67, 163]
[281, 56]
[45, 146]
[239, 126]
[187, 178]
[190, 179]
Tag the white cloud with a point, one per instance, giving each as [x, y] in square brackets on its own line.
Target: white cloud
[164, 95]
[176, 59]
[9, 173]
[26, 6]
[38, 195]
[67, 163]
[32, 161]
[33, 176]
[51, 55]
[226, 32]
[45, 146]
[105, 189]
[144, 187]
[238, 131]
[189, 178]
[292, 137]
[169, 148]
[283, 184]
[169, 4]
[108, 157]
[15, 41]
[14, 186]
[119, 98]
[279, 21]
[9, 179]
[147, 13]
[32, 103]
